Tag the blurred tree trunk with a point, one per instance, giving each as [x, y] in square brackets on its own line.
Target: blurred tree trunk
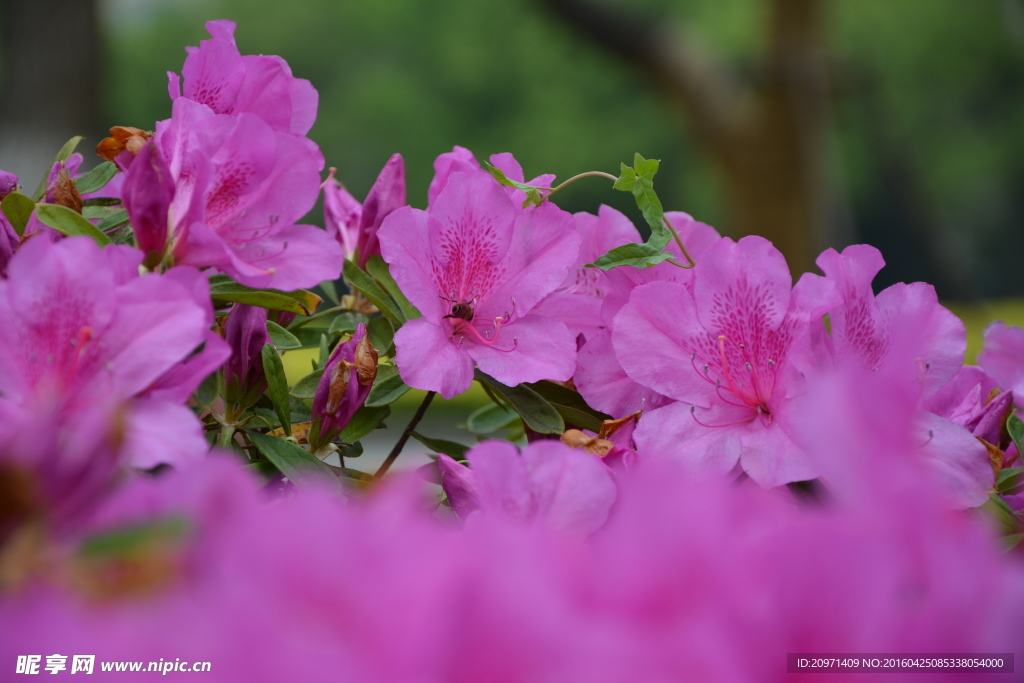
[771, 135]
[49, 82]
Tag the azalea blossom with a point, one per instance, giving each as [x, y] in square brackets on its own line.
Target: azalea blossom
[475, 265]
[355, 225]
[217, 75]
[239, 188]
[727, 352]
[79, 361]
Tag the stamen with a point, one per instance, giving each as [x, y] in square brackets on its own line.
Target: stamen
[728, 424]
[84, 335]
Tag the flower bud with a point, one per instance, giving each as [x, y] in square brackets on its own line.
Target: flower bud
[347, 380]
[147, 194]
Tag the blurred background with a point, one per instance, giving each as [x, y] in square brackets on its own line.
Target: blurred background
[814, 122]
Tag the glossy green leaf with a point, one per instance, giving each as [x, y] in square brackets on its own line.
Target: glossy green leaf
[570, 405]
[101, 201]
[1015, 428]
[381, 334]
[224, 289]
[306, 387]
[281, 338]
[378, 268]
[97, 178]
[1011, 481]
[534, 194]
[68, 222]
[114, 220]
[65, 152]
[98, 213]
[361, 280]
[455, 451]
[325, 351]
[490, 418]
[363, 422]
[346, 323]
[387, 388]
[330, 290]
[636, 255]
[18, 208]
[537, 413]
[300, 466]
[277, 386]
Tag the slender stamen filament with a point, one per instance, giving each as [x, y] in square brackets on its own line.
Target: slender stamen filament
[728, 424]
[84, 335]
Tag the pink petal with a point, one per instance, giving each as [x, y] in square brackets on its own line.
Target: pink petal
[428, 359]
[541, 348]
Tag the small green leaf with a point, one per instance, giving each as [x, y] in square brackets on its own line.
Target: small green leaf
[490, 418]
[1007, 518]
[346, 323]
[97, 178]
[325, 351]
[533, 193]
[209, 390]
[387, 388]
[570, 405]
[363, 422]
[1015, 428]
[63, 155]
[361, 280]
[18, 209]
[636, 255]
[102, 201]
[330, 290]
[97, 213]
[300, 466]
[350, 450]
[378, 268]
[281, 338]
[277, 386]
[68, 222]
[224, 289]
[455, 451]
[114, 220]
[306, 387]
[537, 413]
[1011, 481]
[381, 334]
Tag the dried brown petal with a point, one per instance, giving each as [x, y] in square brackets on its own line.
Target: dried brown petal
[366, 362]
[66, 194]
[574, 438]
[338, 386]
[609, 427]
[122, 138]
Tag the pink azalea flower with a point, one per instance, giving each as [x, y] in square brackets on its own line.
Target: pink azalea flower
[239, 188]
[599, 376]
[461, 160]
[82, 361]
[217, 75]
[864, 329]
[355, 225]
[728, 352]
[547, 482]
[475, 265]
[972, 400]
[8, 183]
[1003, 356]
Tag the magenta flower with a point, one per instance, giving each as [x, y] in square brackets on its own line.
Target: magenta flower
[547, 482]
[728, 351]
[355, 225]
[239, 188]
[8, 183]
[79, 362]
[461, 160]
[599, 376]
[475, 265]
[147, 193]
[1003, 356]
[973, 400]
[347, 380]
[217, 75]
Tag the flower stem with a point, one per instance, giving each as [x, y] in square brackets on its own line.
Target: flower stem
[393, 455]
[227, 434]
[600, 174]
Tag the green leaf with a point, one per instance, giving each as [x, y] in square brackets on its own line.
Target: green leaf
[387, 388]
[533, 192]
[1007, 518]
[306, 387]
[300, 466]
[570, 405]
[325, 351]
[490, 418]
[1015, 428]
[68, 222]
[18, 209]
[136, 537]
[361, 280]
[97, 178]
[277, 385]
[94, 213]
[330, 290]
[381, 334]
[224, 289]
[378, 268]
[350, 450]
[101, 201]
[208, 391]
[346, 323]
[1011, 481]
[537, 413]
[455, 451]
[114, 220]
[363, 422]
[65, 152]
[281, 338]
[636, 255]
